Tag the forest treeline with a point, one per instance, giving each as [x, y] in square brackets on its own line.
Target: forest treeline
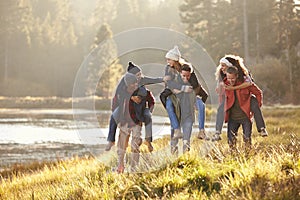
[44, 42]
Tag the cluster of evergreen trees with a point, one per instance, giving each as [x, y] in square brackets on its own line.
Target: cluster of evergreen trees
[264, 32]
[44, 42]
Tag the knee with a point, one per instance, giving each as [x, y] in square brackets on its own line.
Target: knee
[169, 105]
[254, 102]
[200, 103]
[135, 144]
[148, 119]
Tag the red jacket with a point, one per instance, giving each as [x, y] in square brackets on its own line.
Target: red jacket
[244, 96]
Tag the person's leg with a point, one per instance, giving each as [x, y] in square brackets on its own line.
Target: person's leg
[187, 126]
[136, 142]
[258, 116]
[247, 131]
[148, 129]
[232, 129]
[164, 95]
[171, 112]
[112, 129]
[201, 112]
[173, 118]
[148, 125]
[219, 121]
[122, 146]
[201, 117]
[220, 117]
[173, 143]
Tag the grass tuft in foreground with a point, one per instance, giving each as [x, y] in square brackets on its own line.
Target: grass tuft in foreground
[270, 170]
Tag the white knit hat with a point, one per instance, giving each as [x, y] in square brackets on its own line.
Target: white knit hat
[174, 54]
[226, 62]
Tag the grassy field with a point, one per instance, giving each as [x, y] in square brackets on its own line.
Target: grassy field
[271, 170]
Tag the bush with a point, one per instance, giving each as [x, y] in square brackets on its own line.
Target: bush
[273, 78]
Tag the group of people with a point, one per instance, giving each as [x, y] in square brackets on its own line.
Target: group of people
[133, 104]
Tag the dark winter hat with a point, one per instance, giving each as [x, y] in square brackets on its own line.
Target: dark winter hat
[129, 79]
[132, 68]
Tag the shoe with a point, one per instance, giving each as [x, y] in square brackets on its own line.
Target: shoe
[109, 145]
[186, 146]
[174, 150]
[177, 134]
[201, 135]
[216, 137]
[149, 145]
[120, 169]
[263, 132]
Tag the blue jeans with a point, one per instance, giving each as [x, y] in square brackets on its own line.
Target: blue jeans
[201, 112]
[172, 116]
[187, 126]
[232, 129]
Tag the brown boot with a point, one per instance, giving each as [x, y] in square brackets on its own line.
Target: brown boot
[177, 134]
[149, 145]
[201, 135]
[109, 145]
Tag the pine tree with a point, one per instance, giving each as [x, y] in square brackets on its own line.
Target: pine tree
[103, 71]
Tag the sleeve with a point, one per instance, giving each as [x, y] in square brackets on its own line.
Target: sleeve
[248, 79]
[116, 98]
[254, 89]
[115, 102]
[150, 80]
[220, 88]
[194, 80]
[201, 92]
[168, 71]
[174, 85]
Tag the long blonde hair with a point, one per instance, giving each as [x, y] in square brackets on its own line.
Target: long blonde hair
[236, 61]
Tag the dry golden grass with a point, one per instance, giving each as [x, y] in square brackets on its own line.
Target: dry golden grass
[270, 170]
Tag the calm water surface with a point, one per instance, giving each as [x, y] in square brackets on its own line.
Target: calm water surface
[28, 135]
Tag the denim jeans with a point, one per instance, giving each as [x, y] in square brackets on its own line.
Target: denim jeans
[187, 126]
[201, 112]
[172, 116]
[220, 116]
[233, 126]
[113, 125]
[259, 120]
[148, 125]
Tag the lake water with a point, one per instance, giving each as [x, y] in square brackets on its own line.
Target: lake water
[28, 135]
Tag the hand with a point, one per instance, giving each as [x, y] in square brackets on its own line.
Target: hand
[176, 91]
[136, 99]
[229, 87]
[187, 89]
[166, 78]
